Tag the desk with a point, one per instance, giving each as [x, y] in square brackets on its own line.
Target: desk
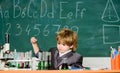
[61, 71]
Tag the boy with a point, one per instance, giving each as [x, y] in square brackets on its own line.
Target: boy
[66, 46]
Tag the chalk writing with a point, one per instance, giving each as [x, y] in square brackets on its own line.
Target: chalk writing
[110, 13]
[27, 10]
[37, 29]
[110, 38]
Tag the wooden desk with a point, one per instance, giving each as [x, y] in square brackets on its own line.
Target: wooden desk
[61, 71]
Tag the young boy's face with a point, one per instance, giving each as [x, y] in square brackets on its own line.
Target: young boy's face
[63, 47]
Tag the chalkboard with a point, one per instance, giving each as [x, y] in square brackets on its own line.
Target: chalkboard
[97, 23]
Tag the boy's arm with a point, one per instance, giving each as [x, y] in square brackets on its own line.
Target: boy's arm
[35, 45]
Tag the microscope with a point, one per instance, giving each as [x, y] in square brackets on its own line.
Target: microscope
[4, 52]
[5, 49]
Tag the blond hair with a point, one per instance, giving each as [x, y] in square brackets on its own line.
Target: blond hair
[68, 37]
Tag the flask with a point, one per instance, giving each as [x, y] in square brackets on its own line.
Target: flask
[49, 61]
[64, 65]
[39, 65]
[41, 61]
[18, 66]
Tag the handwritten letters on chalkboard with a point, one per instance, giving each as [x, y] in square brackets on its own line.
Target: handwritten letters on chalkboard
[21, 11]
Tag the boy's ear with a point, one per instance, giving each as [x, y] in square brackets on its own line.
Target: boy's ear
[71, 46]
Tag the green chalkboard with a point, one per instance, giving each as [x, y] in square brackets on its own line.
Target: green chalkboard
[97, 23]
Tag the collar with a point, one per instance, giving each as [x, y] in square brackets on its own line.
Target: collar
[61, 54]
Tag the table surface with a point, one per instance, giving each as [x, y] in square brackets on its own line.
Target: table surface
[60, 71]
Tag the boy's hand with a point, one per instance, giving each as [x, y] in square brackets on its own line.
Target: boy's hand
[33, 40]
